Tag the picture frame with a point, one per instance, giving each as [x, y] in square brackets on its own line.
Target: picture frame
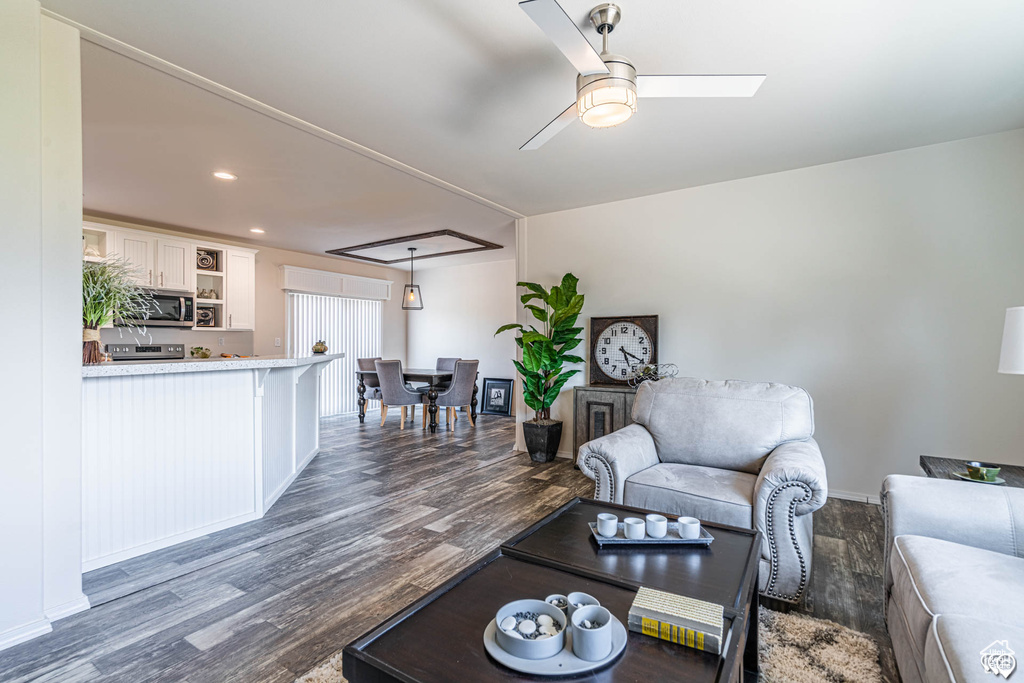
[496, 396]
[208, 259]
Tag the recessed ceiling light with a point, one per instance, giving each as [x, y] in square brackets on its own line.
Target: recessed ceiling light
[224, 175]
[258, 231]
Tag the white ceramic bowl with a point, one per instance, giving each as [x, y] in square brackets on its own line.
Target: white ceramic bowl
[530, 649]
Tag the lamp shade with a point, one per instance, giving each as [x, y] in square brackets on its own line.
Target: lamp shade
[411, 299]
[1011, 358]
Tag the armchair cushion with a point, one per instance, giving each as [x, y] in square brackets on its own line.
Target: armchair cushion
[730, 424]
[611, 459]
[708, 493]
[931, 577]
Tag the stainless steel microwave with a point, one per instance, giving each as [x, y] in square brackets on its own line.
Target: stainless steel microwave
[169, 309]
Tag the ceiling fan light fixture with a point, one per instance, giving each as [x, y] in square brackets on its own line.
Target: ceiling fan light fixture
[606, 100]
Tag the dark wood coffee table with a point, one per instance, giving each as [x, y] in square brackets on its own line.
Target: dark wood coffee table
[943, 468]
[439, 638]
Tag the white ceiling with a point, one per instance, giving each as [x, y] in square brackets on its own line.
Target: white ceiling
[454, 87]
[151, 142]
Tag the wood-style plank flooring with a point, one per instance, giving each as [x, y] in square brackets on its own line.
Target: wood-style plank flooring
[376, 520]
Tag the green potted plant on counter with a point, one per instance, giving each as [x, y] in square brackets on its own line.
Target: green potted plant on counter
[545, 353]
[108, 292]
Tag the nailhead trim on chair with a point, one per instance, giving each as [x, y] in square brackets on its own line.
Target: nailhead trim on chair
[792, 533]
[589, 461]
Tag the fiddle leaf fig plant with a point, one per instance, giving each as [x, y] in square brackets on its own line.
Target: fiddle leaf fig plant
[546, 350]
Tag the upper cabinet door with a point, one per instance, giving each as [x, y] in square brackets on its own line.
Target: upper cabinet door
[240, 299]
[174, 264]
[137, 250]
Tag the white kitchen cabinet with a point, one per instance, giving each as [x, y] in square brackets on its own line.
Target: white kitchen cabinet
[240, 294]
[137, 249]
[174, 264]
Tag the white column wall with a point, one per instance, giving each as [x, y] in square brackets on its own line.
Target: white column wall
[40, 166]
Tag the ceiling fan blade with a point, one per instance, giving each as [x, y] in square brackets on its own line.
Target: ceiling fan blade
[552, 129]
[563, 32]
[699, 85]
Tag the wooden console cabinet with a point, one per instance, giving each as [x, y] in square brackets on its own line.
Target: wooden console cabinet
[598, 411]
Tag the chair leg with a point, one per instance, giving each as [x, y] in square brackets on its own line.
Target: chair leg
[455, 414]
[383, 414]
[413, 418]
[402, 426]
[424, 411]
[469, 412]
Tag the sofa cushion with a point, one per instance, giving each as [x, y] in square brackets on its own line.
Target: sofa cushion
[952, 653]
[707, 493]
[732, 425]
[933, 577]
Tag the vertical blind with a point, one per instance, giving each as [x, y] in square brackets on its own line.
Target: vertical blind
[352, 326]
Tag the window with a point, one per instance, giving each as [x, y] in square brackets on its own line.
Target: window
[352, 326]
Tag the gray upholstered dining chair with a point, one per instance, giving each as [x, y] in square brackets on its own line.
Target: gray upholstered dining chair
[732, 452]
[460, 393]
[394, 391]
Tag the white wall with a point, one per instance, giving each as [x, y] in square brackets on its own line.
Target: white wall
[462, 307]
[40, 188]
[270, 298]
[878, 284]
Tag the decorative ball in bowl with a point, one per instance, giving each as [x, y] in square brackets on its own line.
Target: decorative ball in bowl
[530, 629]
[982, 472]
[320, 347]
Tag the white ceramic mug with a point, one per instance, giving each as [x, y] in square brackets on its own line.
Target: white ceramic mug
[689, 528]
[607, 524]
[657, 526]
[634, 528]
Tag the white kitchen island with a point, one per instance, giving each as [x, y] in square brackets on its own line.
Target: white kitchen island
[174, 450]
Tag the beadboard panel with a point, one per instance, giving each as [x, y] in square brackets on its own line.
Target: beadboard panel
[147, 480]
[278, 434]
[307, 410]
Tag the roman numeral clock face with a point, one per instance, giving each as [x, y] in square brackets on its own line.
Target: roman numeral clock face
[619, 348]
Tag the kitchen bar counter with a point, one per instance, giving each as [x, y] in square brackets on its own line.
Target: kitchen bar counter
[164, 367]
[174, 450]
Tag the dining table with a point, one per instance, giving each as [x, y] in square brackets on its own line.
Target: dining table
[433, 378]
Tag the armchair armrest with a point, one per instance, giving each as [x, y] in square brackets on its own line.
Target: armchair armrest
[987, 517]
[791, 485]
[612, 459]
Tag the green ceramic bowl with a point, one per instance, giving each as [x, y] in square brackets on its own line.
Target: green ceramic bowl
[982, 472]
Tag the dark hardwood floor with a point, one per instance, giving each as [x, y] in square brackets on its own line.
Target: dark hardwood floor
[370, 525]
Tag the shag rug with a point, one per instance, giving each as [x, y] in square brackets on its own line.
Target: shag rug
[793, 648]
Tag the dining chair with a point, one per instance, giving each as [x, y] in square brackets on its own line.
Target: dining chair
[371, 382]
[394, 391]
[460, 393]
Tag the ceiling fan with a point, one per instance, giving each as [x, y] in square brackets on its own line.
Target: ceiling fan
[607, 85]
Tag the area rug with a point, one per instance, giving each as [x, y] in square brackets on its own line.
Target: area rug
[793, 648]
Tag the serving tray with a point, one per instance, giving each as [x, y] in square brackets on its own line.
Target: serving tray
[671, 538]
[565, 663]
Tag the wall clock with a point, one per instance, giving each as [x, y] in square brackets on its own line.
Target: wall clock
[618, 344]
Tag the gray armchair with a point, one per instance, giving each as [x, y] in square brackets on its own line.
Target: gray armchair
[737, 453]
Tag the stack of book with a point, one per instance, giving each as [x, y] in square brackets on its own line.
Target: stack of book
[678, 619]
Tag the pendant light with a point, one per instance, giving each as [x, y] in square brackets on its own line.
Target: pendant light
[411, 299]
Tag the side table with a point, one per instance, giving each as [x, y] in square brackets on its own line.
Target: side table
[943, 468]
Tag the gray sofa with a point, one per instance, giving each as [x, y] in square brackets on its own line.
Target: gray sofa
[954, 575]
[737, 453]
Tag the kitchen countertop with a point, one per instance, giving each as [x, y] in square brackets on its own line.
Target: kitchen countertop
[165, 367]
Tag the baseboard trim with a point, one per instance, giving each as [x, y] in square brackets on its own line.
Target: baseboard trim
[19, 634]
[128, 553]
[859, 497]
[79, 604]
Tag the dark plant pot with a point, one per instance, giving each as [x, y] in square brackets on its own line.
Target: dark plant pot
[542, 439]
